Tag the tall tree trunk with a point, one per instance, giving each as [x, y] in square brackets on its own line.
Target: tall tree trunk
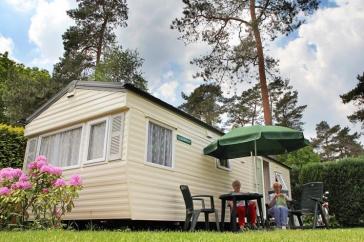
[254, 114]
[100, 42]
[262, 77]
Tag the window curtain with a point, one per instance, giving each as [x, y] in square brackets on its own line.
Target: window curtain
[159, 145]
[62, 149]
[96, 141]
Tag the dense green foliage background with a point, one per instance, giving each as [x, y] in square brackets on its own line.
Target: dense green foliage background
[344, 179]
[12, 146]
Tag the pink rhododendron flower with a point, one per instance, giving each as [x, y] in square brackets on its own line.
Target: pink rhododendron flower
[32, 165]
[17, 173]
[45, 190]
[37, 164]
[23, 178]
[10, 173]
[51, 170]
[4, 191]
[75, 180]
[7, 173]
[41, 158]
[59, 182]
[40, 164]
[23, 185]
[56, 170]
[46, 169]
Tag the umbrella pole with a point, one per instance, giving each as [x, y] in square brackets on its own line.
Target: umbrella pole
[255, 164]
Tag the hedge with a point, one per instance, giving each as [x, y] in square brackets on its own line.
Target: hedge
[12, 146]
[344, 179]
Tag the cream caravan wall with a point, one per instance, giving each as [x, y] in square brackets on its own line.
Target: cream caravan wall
[154, 191]
[84, 105]
[105, 192]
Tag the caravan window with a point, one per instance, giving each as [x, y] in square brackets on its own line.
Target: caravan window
[62, 148]
[159, 146]
[97, 137]
[223, 164]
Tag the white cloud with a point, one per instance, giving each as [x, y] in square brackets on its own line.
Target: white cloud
[189, 87]
[324, 60]
[47, 26]
[167, 91]
[149, 32]
[23, 5]
[6, 44]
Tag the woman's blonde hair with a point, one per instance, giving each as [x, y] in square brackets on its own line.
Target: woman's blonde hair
[277, 184]
[236, 183]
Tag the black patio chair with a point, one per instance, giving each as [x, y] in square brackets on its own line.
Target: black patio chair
[310, 203]
[193, 214]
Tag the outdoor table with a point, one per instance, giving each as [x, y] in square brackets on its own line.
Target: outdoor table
[238, 196]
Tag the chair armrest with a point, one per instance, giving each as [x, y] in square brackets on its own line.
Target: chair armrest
[293, 204]
[200, 199]
[207, 196]
[316, 199]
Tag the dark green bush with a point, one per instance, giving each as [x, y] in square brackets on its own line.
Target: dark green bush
[12, 146]
[344, 179]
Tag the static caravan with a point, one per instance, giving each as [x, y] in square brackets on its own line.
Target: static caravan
[133, 151]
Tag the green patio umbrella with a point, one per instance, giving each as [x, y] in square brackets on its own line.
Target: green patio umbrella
[257, 140]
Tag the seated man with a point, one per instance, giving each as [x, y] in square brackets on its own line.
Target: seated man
[278, 206]
[240, 208]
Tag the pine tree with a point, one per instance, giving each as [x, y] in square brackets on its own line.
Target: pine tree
[203, 103]
[247, 108]
[335, 142]
[356, 96]
[121, 66]
[222, 23]
[90, 46]
[285, 108]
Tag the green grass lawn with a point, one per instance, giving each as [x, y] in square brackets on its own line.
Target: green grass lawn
[279, 235]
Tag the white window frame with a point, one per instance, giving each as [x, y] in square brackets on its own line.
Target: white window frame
[280, 175]
[25, 160]
[219, 166]
[87, 140]
[173, 129]
[82, 126]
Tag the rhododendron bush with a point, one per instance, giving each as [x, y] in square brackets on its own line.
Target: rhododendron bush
[42, 191]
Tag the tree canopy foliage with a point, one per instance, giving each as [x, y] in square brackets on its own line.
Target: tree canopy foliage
[356, 96]
[90, 47]
[121, 66]
[300, 157]
[336, 142]
[22, 89]
[203, 103]
[247, 108]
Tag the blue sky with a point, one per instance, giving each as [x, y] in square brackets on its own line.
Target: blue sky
[322, 58]
[15, 25]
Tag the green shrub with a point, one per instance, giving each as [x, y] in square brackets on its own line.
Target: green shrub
[344, 179]
[12, 146]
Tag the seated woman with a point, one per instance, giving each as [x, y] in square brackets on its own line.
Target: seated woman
[240, 208]
[278, 206]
